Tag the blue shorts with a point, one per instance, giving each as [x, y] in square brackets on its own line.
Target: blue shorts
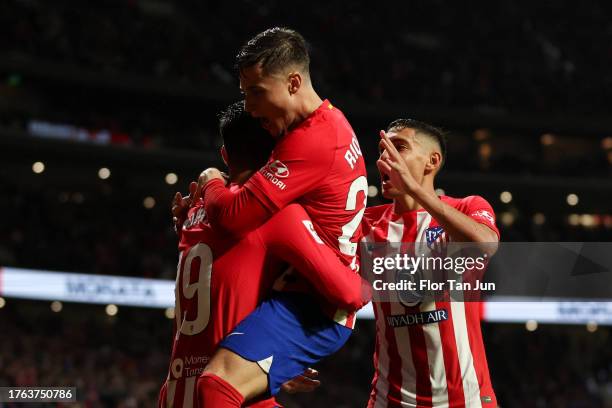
[285, 335]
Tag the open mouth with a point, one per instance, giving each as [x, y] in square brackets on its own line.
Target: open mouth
[385, 178]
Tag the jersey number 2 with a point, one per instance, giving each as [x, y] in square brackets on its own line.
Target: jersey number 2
[348, 230]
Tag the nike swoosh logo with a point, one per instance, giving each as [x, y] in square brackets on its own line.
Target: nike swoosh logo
[231, 334]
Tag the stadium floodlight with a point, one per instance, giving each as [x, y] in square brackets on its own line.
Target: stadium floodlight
[112, 310]
[539, 219]
[505, 197]
[148, 202]
[171, 178]
[372, 191]
[531, 325]
[572, 199]
[104, 173]
[38, 167]
[56, 306]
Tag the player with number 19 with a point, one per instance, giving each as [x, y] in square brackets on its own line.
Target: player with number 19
[316, 162]
[220, 280]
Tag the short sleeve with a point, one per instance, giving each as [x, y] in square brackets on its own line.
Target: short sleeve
[479, 209]
[297, 165]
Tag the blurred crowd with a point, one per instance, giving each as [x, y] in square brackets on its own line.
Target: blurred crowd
[93, 232]
[114, 362]
[121, 361]
[554, 366]
[505, 55]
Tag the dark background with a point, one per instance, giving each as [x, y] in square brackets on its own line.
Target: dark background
[524, 90]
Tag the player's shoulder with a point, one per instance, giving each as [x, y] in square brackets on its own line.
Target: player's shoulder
[334, 119]
[328, 124]
[376, 214]
[468, 203]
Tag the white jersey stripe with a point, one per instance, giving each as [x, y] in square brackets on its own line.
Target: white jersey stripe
[420, 242]
[395, 233]
[433, 339]
[381, 386]
[437, 370]
[382, 381]
[471, 388]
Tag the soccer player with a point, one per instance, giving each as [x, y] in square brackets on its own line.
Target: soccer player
[220, 279]
[316, 162]
[441, 363]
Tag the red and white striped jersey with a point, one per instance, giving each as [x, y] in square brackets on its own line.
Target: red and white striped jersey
[436, 364]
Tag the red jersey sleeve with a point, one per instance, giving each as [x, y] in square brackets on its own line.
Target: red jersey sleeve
[298, 163]
[291, 236]
[236, 212]
[479, 209]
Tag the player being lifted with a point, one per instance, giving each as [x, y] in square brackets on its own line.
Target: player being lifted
[440, 364]
[316, 162]
[220, 280]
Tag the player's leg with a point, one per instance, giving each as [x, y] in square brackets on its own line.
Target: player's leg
[277, 342]
[244, 376]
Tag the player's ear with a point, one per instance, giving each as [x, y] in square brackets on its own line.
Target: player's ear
[224, 154]
[433, 165]
[295, 82]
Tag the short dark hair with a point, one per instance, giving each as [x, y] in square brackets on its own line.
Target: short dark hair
[275, 49]
[437, 134]
[247, 144]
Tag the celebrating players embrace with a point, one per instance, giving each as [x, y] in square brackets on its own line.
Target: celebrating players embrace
[304, 204]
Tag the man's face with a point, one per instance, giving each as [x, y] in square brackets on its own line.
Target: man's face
[414, 154]
[267, 98]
